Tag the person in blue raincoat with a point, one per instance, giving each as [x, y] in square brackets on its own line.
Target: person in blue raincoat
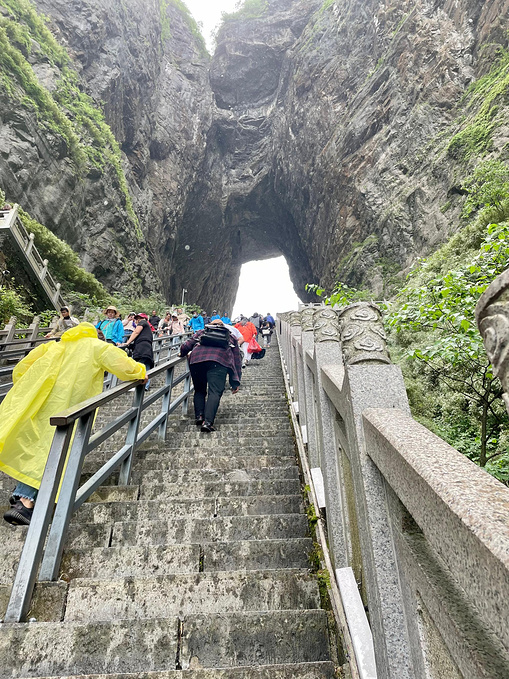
[196, 323]
[51, 378]
[112, 327]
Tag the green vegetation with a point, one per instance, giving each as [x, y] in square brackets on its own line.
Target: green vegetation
[12, 303]
[188, 20]
[246, 9]
[450, 382]
[481, 108]
[63, 262]
[165, 20]
[68, 112]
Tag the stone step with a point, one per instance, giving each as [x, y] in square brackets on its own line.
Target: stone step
[182, 475]
[221, 529]
[123, 562]
[104, 512]
[218, 489]
[198, 460]
[319, 670]
[221, 435]
[249, 555]
[206, 475]
[185, 594]
[257, 554]
[213, 447]
[234, 429]
[130, 646]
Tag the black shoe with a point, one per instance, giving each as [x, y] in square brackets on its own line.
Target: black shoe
[19, 515]
[13, 500]
[207, 427]
[199, 420]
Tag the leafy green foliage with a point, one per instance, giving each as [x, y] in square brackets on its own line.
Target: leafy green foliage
[13, 304]
[442, 352]
[341, 295]
[488, 191]
[246, 9]
[481, 109]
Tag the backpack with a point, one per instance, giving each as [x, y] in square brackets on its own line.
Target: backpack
[215, 336]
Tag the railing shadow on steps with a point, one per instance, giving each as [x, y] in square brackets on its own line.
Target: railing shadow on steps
[414, 527]
[63, 469]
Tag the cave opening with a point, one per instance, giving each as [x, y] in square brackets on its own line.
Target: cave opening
[265, 286]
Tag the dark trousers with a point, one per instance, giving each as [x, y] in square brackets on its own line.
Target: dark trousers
[212, 375]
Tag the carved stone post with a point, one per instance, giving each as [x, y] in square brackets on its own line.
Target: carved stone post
[328, 351]
[492, 316]
[308, 341]
[371, 381]
[362, 334]
[292, 364]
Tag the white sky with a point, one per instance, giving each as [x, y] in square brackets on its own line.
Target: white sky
[208, 12]
[264, 285]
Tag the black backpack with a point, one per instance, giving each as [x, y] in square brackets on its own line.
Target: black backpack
[215, 336]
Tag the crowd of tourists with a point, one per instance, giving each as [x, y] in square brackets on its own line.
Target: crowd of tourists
[58, 375]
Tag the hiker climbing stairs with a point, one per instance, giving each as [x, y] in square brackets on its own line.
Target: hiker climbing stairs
[201, 564]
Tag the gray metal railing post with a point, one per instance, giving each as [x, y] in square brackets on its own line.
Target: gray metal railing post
[132, 435]
[161, 434]
[187, 390]
[58, 532]
[24, 582]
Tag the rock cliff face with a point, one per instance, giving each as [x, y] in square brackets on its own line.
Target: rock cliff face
[330, 132]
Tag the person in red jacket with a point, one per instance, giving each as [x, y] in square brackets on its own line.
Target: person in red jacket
[247, 330]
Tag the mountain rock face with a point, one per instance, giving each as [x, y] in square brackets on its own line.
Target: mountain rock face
[334, 133]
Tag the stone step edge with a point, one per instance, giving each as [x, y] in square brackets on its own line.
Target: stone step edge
[280, 572]
[254, 672]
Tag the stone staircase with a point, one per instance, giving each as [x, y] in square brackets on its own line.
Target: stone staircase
[200, 568]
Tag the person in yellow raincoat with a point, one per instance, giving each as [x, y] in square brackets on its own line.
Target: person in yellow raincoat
[51, 378]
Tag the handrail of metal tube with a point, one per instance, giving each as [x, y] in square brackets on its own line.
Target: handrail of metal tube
[75, 425]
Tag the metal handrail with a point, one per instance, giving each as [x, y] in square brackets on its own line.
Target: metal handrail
[76, 424]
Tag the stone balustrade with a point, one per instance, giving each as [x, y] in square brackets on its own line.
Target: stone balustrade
[425, 530]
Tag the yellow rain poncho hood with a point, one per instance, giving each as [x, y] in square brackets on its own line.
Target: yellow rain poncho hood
[52, 378]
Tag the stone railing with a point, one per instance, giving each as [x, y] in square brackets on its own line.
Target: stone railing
[35, 265]
[425, 531]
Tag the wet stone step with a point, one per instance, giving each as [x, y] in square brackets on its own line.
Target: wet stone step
[198, 460]
[220, 529]
[218, 489]
[257, 554]
[130, 646]
[111, 512]
[242, 639]
[209, 444]
[122, 562]
[184, 594]
[185, 476]
[320, 670]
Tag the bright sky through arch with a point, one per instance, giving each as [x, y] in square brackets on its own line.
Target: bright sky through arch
[265, 286]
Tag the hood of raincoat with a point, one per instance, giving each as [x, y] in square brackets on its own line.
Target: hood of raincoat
[79, 332]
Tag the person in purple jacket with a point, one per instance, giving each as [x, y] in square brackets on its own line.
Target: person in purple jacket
[209, 366]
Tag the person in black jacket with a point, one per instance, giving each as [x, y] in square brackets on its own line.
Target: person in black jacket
[209, 367]
[142, 338]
